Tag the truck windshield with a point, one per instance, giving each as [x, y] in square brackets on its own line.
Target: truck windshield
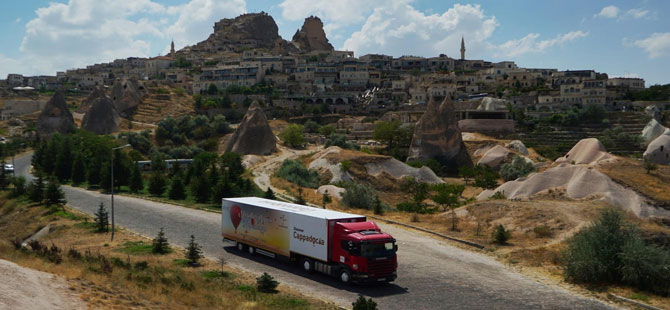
[379, 249]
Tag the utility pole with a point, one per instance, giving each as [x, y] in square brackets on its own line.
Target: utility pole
[112, 184]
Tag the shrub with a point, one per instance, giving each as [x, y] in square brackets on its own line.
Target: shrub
[160, 243]
[542, 231]
[612, 251]
[295, 171]
[501, 235]
[293, 135]
[519, 167]
[485, 177]
[266, 283]
[359, 196]
[340, 140]
[498, 195]
[364, 304]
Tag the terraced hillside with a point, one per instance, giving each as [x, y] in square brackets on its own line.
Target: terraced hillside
[162, 102]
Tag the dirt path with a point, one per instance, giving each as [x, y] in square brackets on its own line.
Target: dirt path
[28, 289]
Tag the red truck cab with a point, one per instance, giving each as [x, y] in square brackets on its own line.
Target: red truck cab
[364, 253]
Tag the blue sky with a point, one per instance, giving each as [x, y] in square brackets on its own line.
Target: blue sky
[621, 38]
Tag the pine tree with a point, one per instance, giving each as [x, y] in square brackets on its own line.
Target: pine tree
[200, 188]
[193, 252]
[177, 190]
[36, 189]
[106, 177]
[3, 175]
[78, 170]
[93, 172]
[136, 184]
[157, 183]
[160, 243]
[325, 199]
[102, 219]
[19, 186]
[378, 207]
[51, 152]
[64, 160]
[300, 200]
[269, 194]
[54, 194]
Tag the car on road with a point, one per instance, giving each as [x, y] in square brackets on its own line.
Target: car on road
[9, 168]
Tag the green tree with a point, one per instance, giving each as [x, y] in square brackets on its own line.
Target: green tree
[157, 183]
[53, 195]
[269, 194]
[102, 219]
[327, 130]
[78, 169]
[18, 186]
[378, 207]
[93, 176]
[364, 304]
[519, 167]
[393, 134]
[266, 283]
[466, 172]
[136, 184]
[200, 188]
[293, 135]
[64, 160]
[36, 189]
[325, 199]
[649, 166]
[177, 190]
[447, 195]
[212, 89]
[501, 235]
[358, 196]
[300, 200]
[193, 252]
[106, 177]
[312, 126]
[160, 243]
[231, 163]
[485, 177]
[4, 179]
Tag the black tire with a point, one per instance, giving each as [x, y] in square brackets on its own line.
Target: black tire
[307, 264]
[240, 246]
[251, 250]
[344, 275]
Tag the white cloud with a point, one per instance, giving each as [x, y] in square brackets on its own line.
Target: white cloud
[608, 12]
[196, 19]
[531, 44]
[637, 13]
[656, 45]
[84, 32]
[397, 28]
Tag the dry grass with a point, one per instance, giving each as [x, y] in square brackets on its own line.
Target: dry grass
[163, 285]
[631, 173]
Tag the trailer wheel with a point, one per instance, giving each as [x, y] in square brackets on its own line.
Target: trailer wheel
[307, 264]
[240, 246]
[345, 275]
[251, 250]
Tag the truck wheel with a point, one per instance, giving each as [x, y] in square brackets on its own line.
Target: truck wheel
[307, 264]
[345, 275]
[240, 246]
[251, 250]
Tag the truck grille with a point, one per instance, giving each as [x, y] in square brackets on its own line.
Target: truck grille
[380, 268]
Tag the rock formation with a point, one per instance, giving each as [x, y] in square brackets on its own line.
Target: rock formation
[253, 135]
[102, 117]
[652, 130]
[517, 145]
[587, 151]
[127, 95]
[311, 36]
[494, 157]
[658, 151]
[578, 182]
[438, 137]
[92, 97]
[56, 117]
[247, 31]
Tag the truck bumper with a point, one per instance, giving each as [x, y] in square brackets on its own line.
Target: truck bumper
[365, 278]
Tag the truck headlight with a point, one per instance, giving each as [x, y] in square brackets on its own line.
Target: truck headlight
[355, 266]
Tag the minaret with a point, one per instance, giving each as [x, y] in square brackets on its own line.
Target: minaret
[172, 51]
[462, 48]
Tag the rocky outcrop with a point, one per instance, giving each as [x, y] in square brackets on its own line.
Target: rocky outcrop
[92, 97]
[587, 151]
[494, 157]
[247, 31]
[311, 36]
[652, 130]
[56, 117]
[437, 136]
[127, 94]
[101, 118]
[658, 151]
[518, 146]
[253, 135]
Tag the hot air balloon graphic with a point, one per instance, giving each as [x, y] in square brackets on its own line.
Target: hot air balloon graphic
[236, 216]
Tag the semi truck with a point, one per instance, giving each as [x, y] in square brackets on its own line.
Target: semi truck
[342, 245]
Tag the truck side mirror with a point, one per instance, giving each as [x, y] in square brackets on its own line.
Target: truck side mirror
[395, 248]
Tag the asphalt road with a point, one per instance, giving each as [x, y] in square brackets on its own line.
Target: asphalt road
[431, 274]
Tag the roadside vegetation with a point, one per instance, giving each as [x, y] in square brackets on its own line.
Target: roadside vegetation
[127, 273]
